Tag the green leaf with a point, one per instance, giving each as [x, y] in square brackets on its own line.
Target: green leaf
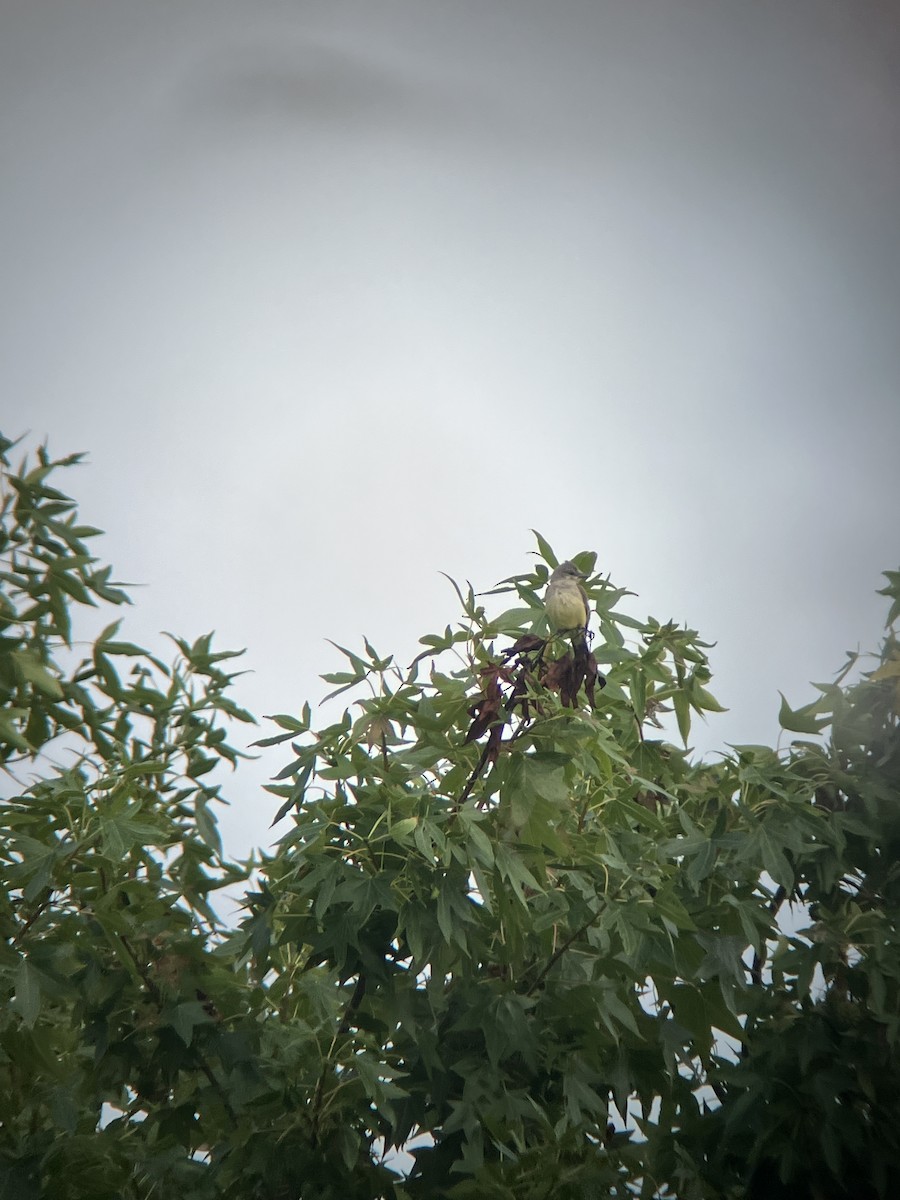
[514, 871]
[30, 669]
[723, 957]
[348, 1146]
[701, 1011]
[704, 700]
[545, 775]
[667, 906]
[27, 998]
[521, 805]
[401, 829]
[581, 1098]
[701, 864]
[801, 720]
[892, 590]
[207, 826]
[681, 704]
[444, 914]
[615, 1007]
[294, 725]
[184, 1019]
[8, 732]
[360, 666]
[546, 551]
[775, 862]
[481, 844]
[510, 621]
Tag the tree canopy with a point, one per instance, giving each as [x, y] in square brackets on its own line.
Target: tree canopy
[513, 925]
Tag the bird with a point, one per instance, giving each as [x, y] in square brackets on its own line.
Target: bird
[566, 600]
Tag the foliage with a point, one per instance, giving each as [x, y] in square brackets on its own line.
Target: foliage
[511, 923]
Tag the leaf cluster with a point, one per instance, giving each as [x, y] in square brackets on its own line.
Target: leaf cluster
[515, 941]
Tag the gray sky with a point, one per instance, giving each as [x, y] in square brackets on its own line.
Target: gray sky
[343, 294]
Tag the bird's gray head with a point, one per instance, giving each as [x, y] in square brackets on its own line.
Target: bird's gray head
[567, 570]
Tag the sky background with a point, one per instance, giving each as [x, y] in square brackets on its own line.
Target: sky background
[340, 295]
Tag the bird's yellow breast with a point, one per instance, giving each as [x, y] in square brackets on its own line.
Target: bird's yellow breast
[565, 605]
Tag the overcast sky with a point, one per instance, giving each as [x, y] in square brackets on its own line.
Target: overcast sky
[341, 294]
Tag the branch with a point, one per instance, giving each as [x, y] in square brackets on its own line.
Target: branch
[756, 968]
[355, 1001]
[560, 951]
[775, 903]
[31, 920]
[352, 1005]
[488, 754]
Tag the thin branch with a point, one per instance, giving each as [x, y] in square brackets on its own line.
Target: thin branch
[560, 951]
[756, 968]
[353, 1004]
[775, 903]
[343, 1028]
[31, 920]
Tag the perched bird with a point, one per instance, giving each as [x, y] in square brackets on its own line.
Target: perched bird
[566, 600]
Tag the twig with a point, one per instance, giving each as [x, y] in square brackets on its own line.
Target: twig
[560, 951]
[31, 920]
[756, 968]
[343, 1028]
[775, 903]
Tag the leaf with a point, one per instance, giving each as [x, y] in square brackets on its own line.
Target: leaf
[890, 670]
[546, 550]
[682, 707]
[207, 826]
[481, 843]
[514, 871]
[184, 1019]
[612, 1004]
[723, 957]
[510, 621]
[801, 720]
[360, 666]
[444, 917]
[667, 905]
[701, 1011]
[545, 775]
[27, 998]
[775, 862]
[746, 912]
[892, 590]
[521, 805]
[348, 1146]
[31, 670]
[701, 864]
[8, 732]
[580, 1098]
[400, 829]
[704, 700]
[112, 839]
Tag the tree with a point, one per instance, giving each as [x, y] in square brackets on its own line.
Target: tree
[511, 925]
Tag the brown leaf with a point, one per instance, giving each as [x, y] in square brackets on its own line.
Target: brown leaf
[652, 801]
[378, 730]
[486, 711]
[525, 645]
[555, 673]
[652, 707]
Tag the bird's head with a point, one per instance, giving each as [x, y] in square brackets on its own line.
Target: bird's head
[567, 570]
